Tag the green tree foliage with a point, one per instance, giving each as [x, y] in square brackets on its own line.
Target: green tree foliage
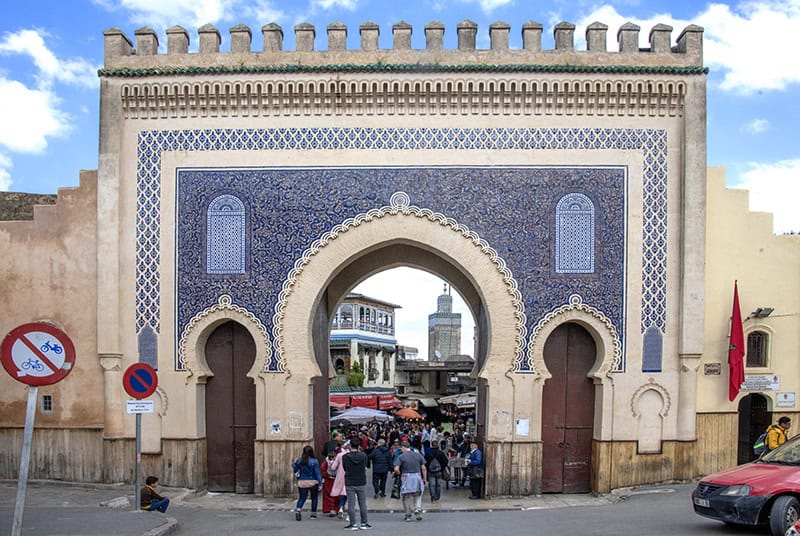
[356, 378]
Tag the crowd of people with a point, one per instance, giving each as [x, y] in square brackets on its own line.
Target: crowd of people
[415, 456]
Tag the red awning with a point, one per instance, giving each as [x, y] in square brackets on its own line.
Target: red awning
[364, 401]
[389, 402]
[339, 401]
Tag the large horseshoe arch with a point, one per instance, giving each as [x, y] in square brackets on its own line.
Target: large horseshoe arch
[409, 239]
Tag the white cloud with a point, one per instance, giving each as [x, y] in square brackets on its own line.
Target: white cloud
[75, 71]
[757, 47]
[756, 126]
[487, 6]
[30, 116]
[754, 44]
[5, 175]
[349, 5]
[416, 292]
[608, 14]
[775, 187]
[162, 14]
[264, 11]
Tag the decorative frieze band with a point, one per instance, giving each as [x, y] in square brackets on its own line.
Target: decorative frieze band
[310, 97]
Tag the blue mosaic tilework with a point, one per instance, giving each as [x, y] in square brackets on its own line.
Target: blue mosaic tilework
[575, 235]
[511, 208]
[225, 236]
[651, 142]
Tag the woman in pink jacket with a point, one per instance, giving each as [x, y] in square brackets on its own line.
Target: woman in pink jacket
[338, 490]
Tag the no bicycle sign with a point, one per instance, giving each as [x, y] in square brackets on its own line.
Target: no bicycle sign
[37, 354]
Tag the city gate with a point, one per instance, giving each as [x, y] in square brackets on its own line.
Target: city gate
[551, 187]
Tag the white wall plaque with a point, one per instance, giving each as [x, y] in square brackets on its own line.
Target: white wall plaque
[785, 400]
[761, 382]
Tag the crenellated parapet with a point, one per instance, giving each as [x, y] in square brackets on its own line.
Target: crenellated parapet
[123, 58]
[432, 81]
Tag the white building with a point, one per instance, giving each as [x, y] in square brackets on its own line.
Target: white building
[362, 330]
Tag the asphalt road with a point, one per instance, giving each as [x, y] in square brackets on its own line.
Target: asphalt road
[664, 510]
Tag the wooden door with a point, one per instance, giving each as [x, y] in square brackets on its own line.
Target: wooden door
[568, 411]
[754, 418]
[231, 410]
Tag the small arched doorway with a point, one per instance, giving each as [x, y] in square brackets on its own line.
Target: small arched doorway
[568, 410]
[754, 418]
[230, 410]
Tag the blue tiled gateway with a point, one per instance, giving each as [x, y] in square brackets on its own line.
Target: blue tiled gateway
[242, 194]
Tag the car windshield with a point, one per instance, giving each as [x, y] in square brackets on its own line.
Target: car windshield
[788, 453]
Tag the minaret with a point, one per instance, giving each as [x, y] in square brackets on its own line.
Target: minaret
[444, 328]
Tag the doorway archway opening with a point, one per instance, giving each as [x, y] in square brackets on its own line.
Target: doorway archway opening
[754, 418]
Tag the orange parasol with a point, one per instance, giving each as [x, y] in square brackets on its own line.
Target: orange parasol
[407, 413]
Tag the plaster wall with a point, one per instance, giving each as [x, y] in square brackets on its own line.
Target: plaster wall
[48, 272]
[742, 247]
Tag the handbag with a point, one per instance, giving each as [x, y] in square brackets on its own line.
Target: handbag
[446, 473]
[302, 483]
[396, 487]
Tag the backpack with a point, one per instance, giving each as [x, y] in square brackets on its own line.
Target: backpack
[760, 446]
[328, 469]
[435, 467]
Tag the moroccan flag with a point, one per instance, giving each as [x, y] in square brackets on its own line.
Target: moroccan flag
[736, 348]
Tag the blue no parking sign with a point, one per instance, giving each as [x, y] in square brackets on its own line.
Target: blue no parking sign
[140, 380]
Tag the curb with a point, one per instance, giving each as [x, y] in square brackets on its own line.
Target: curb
[169, 527]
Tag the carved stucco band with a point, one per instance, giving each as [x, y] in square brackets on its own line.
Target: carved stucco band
[575, 303]
[400, 206]
[226, 309]
[164, 406]
[651, 385]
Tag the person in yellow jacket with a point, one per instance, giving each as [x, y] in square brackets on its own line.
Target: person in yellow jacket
[778, 434]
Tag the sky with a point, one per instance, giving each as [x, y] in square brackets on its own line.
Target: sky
[50, 51]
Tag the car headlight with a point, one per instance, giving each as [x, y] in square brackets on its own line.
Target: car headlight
[739, 490]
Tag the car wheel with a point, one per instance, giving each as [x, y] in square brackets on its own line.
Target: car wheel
[785, 511]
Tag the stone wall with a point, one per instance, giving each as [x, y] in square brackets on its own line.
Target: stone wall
[16, 206]
[48, 272]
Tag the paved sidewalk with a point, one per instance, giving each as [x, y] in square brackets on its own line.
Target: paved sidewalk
[63, 509]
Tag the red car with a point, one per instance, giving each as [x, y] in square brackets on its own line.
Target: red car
[761, 492]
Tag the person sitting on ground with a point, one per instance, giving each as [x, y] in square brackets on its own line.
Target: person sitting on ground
[152, 500]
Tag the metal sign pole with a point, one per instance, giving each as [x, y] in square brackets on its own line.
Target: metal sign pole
[138, 462]
[25, 460]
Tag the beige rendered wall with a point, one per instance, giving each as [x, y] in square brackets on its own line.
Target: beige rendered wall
[48, 272]
[742, 246]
